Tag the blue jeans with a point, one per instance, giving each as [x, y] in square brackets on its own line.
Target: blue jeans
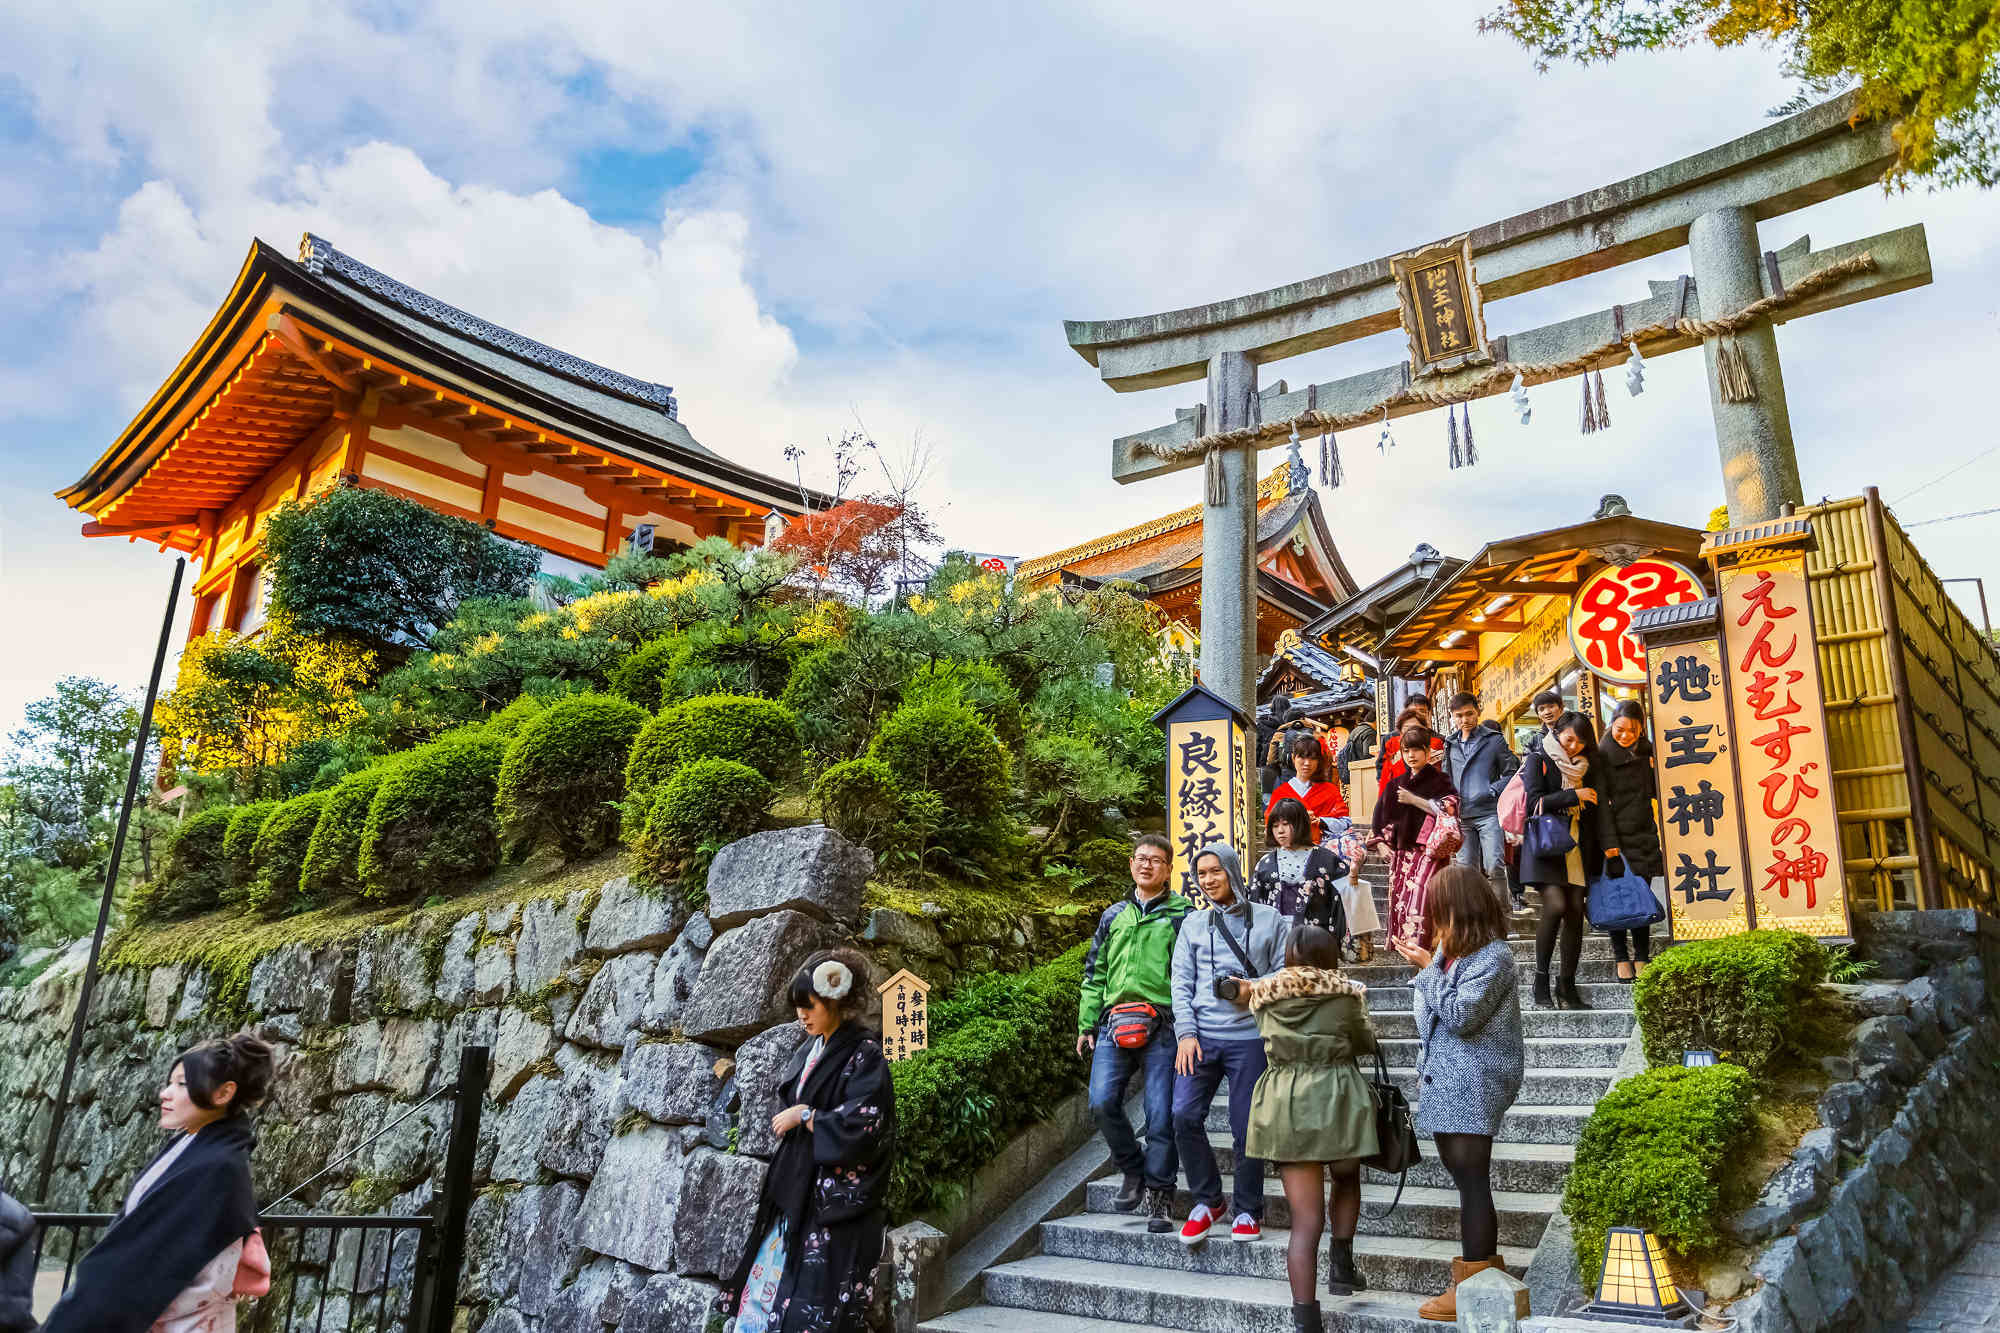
[1485, 850]
[1243, 1062]
[1111, 1069]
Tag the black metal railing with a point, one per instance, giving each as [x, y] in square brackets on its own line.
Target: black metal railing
[338, 1274]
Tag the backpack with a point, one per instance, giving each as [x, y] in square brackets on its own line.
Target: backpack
[1514, 803]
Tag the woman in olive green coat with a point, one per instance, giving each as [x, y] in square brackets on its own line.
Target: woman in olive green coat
[1312, 1112]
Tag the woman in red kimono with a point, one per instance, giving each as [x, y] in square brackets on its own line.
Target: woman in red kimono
[1322, 800]
[1400, 826]
[1417, 714]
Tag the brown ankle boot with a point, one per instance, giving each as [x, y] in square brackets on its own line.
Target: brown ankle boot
[1444, 1307]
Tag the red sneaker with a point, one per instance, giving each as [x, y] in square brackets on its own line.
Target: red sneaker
[1246, 1229]
[1196, 1230]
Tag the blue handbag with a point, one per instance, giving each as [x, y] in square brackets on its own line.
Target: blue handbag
[1622, 901]
[1546, 836]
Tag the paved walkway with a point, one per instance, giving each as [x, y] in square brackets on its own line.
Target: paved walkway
[1968, 1296]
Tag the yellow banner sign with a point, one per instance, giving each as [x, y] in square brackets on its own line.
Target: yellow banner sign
[906, 1015]
[1789, 817]
[1701, 806]
[1209, 793]
[1530, 658]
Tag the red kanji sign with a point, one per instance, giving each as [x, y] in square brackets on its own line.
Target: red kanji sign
[1601, 615]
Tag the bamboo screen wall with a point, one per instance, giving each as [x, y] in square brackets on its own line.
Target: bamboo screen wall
[1912, 691]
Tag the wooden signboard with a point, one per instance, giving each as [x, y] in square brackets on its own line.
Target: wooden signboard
[1211, 781]
[906, 1016]
[1442, 312]
[1531, 657]
[1701, 806]
[1790, 822]
[1600, 620]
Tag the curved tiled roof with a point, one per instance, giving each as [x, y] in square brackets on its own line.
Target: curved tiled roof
[1271, 488]
[318, 257]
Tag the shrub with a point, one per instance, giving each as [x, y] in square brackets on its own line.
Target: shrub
[1739, 996]
[431, 827]
[942, 748]
[331, 868]
[862, 801]
[1654, 1153]
[980, 686]
[564, 773]
[280, 853]
[507, 723]
[640, 676]
[758, 732]
[732, 659]
[1002, 1052]
[703, 805]
[195, 870]
[239, 846]
[840, 692]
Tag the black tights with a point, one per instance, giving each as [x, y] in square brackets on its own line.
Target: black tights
[1342, 1208]
[1562, 911]
[1469, 1158]
[1634, 945]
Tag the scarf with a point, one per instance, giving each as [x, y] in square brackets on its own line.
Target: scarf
[1572, 769]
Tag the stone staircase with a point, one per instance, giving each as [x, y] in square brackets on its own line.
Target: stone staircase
[1101, 1271]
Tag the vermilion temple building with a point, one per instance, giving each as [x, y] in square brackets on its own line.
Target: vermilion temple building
[323, 368]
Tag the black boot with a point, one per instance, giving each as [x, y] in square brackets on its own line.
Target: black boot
[1342, 1277]
[1542, 1000]
[1570, 998]
[1127, 1198]
[1159, 1211]
[1305, 1318]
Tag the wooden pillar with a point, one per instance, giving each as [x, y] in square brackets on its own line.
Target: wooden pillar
[1229, 540]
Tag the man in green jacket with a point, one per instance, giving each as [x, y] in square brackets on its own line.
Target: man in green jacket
[1131, 963]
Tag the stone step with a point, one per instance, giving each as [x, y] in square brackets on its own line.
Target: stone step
[1576, 1053]
[1001, 1319]
[1598, 995]
[1391, 970]
[1425, 1213]
[1535, 1023]
[1523, 1168]
[1197, 1302]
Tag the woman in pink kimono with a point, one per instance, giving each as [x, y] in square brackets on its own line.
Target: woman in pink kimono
[168, 1263]
[1399, 825]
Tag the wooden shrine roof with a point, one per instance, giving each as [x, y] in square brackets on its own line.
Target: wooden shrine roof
[1269, 492]
[1550, 563]
[297, 342]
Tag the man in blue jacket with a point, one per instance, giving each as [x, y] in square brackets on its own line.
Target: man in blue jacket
[1479, 764]
[1218, 1038]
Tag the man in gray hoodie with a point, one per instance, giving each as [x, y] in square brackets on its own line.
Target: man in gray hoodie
[1218, 1037]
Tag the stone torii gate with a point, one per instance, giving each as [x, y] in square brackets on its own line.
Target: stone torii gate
[1711, 203]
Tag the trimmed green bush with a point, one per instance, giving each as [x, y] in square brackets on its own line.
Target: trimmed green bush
[840, 692]
[745, 728]
[332, 868]
[507, 723]
[195, 870]
[564, 773]
[431, 827]
[1002, 1052]
[704, 804]
[641, 675]
[861, 800]
[1654, 1154]
[239, 846]
[943, 748]
[980, 686]
[280, 853]
[1740, 996]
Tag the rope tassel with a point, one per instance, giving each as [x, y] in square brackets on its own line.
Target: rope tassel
[1471, 454]
[1218, 481]
[1732, 373]
[1603, 408]
[1586, 419]
[1451, 433]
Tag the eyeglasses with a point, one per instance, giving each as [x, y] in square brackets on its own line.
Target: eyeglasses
[1149, 860]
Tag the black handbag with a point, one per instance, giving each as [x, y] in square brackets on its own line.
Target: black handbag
[1397, 1149]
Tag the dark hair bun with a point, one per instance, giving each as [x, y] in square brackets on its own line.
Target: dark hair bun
[251, 1058]
[242, 1059]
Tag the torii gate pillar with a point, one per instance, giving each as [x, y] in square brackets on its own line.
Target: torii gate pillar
[1760, 469]
[1229, 540]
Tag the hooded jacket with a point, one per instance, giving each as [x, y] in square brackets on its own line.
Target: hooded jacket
[1130, 956]
[1202, 954]
[17, 1266]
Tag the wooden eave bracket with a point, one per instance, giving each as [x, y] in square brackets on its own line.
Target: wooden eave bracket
[293, 337]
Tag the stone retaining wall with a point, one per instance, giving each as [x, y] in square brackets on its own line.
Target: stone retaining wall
[636, 1046]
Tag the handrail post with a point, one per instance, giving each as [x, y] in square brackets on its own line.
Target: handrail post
[456, 1202]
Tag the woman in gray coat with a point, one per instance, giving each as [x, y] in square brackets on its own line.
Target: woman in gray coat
[1471, 1057]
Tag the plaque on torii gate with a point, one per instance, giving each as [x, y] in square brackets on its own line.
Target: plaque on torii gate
[1711, 203]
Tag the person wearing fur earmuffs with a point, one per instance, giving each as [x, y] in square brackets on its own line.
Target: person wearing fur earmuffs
[810, 1264]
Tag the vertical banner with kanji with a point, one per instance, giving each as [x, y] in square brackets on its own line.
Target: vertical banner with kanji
[1211, 781]
[906, 1019]
[1789, 818]
[1700, 803]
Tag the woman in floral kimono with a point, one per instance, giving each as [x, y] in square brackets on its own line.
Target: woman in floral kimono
[169, 1262]
[1304, 882]
[817, 1238]
[1399, 825]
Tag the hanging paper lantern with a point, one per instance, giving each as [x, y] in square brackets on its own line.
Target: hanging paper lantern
[1519, 390]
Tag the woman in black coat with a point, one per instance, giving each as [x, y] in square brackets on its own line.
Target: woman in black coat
[1630, 830]
[810, 1264]
[172, 1254]
[1558, 777]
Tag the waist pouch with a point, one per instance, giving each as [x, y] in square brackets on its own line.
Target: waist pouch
[1133, 1025]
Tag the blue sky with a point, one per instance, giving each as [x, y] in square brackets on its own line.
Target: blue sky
[801, 217]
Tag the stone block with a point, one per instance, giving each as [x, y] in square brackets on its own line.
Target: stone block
[163, 988]
[674, 978]
[588, 1304]
[628, 917]
[811, 870]
[914, 1253]
[760, 1063]
[1961, 994]
[455, 968]
[1885, 1044]
[538, 1242]
[888, 926]
[549, 942]
[612, 1004]
[582, 1126]
[1492, 1301]
[673, 1083]
[524, 1126]
[1783, 1266]
[699, 932]
[718, 1204]
[329, 999]
[670, 1304]
[520, 1041]
[741, 990]
[634, 1189]
[1794, 1191]
[194, 997]
[390, 974]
